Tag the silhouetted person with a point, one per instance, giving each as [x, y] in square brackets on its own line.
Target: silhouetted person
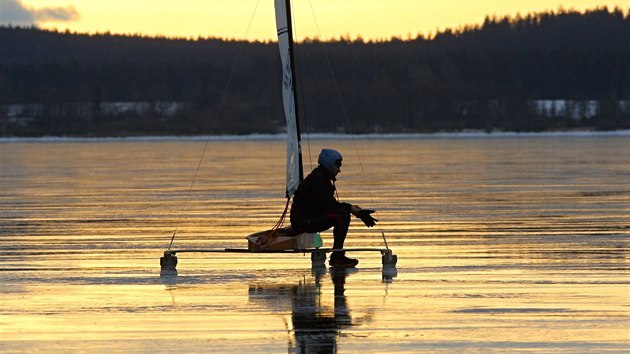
[316, 209]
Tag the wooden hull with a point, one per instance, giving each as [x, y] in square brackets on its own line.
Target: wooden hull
[284, 240]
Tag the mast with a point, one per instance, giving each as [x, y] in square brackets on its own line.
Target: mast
[294, 88]
[290, 101]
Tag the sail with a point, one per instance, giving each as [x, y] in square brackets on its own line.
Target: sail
[288, 98]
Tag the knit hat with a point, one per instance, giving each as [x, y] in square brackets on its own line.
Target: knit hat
[329, 158]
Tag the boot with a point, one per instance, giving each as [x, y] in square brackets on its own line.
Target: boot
[339, 260]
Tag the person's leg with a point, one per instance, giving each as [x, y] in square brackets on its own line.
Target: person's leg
[341, 224]
[338, 219]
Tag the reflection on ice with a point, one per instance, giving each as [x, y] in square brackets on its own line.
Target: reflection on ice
[315, 324]
[389, 273]
[169, 280]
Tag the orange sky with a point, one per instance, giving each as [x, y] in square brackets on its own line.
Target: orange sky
[254, 19]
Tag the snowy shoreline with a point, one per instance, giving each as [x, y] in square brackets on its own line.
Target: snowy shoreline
[330, 136]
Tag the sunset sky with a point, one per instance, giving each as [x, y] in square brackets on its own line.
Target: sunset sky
[254, 19]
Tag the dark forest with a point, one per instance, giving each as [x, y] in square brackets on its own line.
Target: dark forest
[487, 77]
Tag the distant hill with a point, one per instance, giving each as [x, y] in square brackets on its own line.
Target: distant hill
[483, 77]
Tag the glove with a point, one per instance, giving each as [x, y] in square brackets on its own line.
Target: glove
[364, 215]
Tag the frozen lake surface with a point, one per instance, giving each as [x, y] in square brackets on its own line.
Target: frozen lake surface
[504, 243]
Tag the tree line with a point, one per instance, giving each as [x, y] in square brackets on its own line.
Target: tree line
[475, 77]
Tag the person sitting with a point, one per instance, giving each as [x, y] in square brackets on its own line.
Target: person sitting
[315, 208]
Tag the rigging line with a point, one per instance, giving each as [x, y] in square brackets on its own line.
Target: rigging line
[345, 116]
[213, 122]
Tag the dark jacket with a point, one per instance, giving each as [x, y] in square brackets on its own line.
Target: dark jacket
[315, 196]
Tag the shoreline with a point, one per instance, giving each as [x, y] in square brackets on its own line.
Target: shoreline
[328, 136]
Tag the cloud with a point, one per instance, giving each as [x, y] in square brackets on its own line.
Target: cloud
[57, 14]
[15, 13]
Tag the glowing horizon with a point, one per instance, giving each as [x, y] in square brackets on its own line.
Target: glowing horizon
[254, 19]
